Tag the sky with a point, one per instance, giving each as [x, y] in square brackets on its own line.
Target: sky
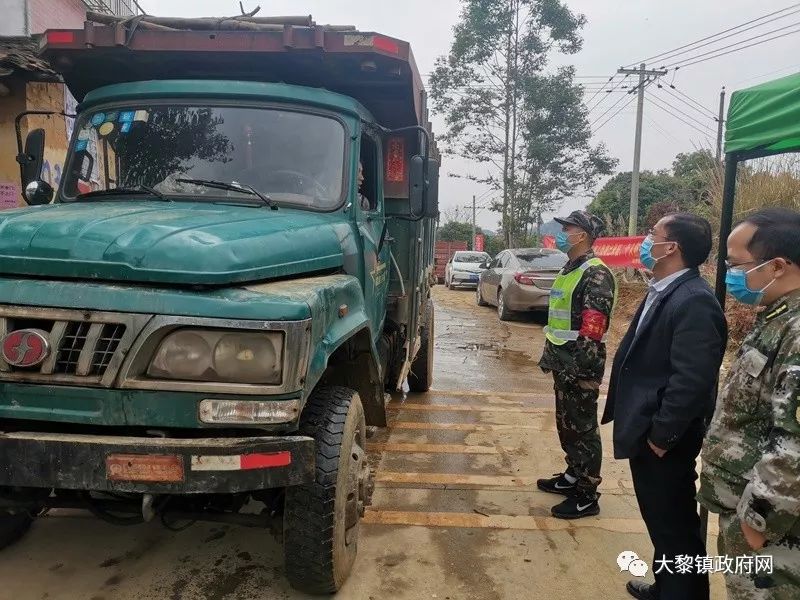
[617, 33]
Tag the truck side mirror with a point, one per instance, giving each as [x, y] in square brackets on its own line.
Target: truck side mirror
[416, 185]
[32, 159]
[432, 195]
[38, 192]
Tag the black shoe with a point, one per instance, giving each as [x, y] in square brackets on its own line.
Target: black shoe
[641, 590]
[577, 507]
[557, 484]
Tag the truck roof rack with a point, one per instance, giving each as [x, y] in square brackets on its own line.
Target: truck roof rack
[377, 70]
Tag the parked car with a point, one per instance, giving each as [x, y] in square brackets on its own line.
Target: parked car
[464, 269]
[520, 280]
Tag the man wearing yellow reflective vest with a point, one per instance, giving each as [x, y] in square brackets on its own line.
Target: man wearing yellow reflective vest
[581, 302]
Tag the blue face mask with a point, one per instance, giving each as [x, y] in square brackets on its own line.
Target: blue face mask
[646, 253]
[562, 241]
[736, 280]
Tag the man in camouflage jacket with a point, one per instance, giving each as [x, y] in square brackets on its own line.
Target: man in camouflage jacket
[751, 455]
[578, 366]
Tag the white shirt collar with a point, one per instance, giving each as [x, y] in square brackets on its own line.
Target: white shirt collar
[662, 284]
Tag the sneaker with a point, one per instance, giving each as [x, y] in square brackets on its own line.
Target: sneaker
[577, 507]
[557, 484]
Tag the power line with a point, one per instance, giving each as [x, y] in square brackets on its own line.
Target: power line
[681, 119]
[608, 110]
[597, 93]
[659, 128]
[688, 97]
[706, 113]
[591, 125]
[674, 55]
[662, 55]
[756, 37]
[790, 67]
[623, 107]
[738, 49]
[688, 116]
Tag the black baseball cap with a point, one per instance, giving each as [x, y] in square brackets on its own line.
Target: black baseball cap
[586, 221]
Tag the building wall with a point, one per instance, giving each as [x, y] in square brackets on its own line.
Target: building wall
[31, 96]
[13, 21]
[10, 106]
[48, 14]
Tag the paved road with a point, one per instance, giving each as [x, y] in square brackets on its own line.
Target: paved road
[456, 512]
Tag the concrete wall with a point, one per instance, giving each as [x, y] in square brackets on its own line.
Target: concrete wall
[47, 14]
[13, 21]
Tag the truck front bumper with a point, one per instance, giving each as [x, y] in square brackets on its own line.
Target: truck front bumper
[154, 465]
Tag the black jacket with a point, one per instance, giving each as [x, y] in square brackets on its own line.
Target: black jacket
[664, 377]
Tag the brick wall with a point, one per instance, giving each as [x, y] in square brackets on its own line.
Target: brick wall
[47, 14]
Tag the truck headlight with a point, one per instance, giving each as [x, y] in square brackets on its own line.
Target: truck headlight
[220, 356]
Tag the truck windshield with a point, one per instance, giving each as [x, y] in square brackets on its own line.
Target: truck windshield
[290, 157]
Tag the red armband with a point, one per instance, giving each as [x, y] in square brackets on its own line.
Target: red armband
[593, 324]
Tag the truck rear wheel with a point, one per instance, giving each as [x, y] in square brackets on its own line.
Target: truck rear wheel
[13, 527]
[421, 376]
[321, 519]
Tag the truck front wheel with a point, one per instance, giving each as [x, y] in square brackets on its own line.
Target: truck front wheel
[321, 519]
[13, 527]
[421, 376]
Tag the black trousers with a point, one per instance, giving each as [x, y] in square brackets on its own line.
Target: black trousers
[665, 490]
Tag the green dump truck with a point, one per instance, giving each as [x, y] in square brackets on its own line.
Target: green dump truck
[203, 321]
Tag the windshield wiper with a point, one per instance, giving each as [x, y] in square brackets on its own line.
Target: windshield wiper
[233, 187]
[139, 189]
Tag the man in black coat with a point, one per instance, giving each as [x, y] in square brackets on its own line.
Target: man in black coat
[661, 396]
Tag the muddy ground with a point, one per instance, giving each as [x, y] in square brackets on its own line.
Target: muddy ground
[456, 511]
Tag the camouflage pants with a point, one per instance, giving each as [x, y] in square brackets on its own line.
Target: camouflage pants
[576, 421]
[783, 584]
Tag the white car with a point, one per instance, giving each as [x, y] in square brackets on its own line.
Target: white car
[465, 268]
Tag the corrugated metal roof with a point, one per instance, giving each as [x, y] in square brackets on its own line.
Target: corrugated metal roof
[22, 54]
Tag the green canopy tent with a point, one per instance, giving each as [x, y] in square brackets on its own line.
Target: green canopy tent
[762, 121]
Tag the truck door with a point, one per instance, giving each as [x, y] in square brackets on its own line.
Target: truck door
[371, 225]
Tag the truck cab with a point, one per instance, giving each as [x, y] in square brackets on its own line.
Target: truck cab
[234, 271]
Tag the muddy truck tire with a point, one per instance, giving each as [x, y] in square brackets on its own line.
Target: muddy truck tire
[12, 528]
[421, 376]
[321, 519]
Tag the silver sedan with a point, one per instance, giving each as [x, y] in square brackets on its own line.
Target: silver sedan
[520, 280]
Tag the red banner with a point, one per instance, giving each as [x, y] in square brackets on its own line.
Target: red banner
[614, 251]
[479, 242]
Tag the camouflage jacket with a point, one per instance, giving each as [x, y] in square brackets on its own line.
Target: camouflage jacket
[751, 456]
[585, 359]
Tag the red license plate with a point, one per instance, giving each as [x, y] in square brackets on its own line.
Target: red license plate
[144, 467]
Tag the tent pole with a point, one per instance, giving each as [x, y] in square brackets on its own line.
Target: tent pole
[726, 222]
[725, 226]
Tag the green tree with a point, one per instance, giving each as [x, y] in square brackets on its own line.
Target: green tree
[613, 200]
[494, 244]
[698, 169]
[526, 127]
[455, 231]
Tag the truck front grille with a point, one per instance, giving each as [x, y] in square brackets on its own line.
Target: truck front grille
[86, 348]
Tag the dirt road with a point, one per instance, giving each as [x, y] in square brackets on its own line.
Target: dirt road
[456, 512]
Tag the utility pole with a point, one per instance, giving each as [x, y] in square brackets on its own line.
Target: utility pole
[474, 227]
[720, 123]
[637, 147]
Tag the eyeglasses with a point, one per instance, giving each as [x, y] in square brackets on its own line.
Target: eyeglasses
[730, 265]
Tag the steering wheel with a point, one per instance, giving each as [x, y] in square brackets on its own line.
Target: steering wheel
[299, 179]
